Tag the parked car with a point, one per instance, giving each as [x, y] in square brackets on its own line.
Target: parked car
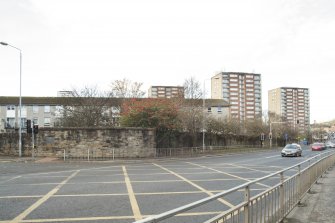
[291, 150]
[330, 144]
[318, 146]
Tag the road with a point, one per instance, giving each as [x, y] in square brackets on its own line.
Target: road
[125, 192]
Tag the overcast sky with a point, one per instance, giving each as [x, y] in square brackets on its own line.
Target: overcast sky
[75, 43]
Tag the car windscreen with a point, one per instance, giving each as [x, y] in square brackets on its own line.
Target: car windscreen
[290, 147]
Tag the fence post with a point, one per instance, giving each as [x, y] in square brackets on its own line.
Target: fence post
[247, 206]
[281, 195]
[88, 154]
[64, 154]
[299, 185]
[310, 175]
[113, 152]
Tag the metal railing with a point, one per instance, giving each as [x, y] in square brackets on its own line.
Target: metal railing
[93, 154]
[121, 153]
[194, 151]
[273, 204]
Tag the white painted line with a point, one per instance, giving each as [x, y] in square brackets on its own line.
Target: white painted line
[268, 157]
[10, 179]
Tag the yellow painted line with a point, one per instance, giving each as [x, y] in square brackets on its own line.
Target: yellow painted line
[93, 170]
[46, 184]
[195, 185]
[199, 213]
[89, 195]
[253, 170]
[248, 168]
[37, 176]
[24, 214]
[80, 219]
[122, 194]
[132, 198]
[232, 175]
[169, 193]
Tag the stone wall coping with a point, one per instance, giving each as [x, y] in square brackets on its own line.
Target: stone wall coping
[93, 128]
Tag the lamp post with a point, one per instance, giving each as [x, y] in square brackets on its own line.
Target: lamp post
[204, 116]
[20, 99]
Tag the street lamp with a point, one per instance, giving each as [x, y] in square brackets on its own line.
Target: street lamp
[20, 99]
[204, 115]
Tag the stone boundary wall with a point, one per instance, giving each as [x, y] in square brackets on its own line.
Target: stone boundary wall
[130, 142]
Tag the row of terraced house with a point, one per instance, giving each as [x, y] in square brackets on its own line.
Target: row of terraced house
[234, 95]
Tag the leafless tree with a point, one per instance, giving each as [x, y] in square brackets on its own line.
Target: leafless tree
[126, 89]
[192, 113]
[86, 107]
[192, 88]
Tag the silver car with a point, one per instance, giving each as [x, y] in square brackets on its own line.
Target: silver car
[291, 150]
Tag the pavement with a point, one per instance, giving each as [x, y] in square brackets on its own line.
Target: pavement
[318, 205]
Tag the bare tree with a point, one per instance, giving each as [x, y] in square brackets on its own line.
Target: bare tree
[126, 89]
[192, 113]
[86, 107]
[192, 88]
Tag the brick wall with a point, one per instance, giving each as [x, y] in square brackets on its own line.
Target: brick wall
[128, 142]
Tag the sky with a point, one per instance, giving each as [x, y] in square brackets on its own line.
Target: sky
[69, 44]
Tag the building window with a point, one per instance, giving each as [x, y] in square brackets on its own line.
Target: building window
[219, 109]
[209, 109]
[46, 122]
[35, 109]
[46, 108]
[10, 123]
[10, 107]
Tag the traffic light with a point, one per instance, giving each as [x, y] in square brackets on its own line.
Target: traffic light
[29, 130]
[35, 129]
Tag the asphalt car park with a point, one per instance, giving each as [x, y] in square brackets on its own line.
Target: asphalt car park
[125, 192]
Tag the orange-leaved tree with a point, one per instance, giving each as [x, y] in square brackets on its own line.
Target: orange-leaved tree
[161, 114]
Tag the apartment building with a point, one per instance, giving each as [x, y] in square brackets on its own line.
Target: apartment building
[165, 92]
[242, 91]
[292, 104]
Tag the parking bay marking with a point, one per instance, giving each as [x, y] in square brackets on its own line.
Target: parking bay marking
[25, 213]
[232, 175]
[195, 185]
[132, 198]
